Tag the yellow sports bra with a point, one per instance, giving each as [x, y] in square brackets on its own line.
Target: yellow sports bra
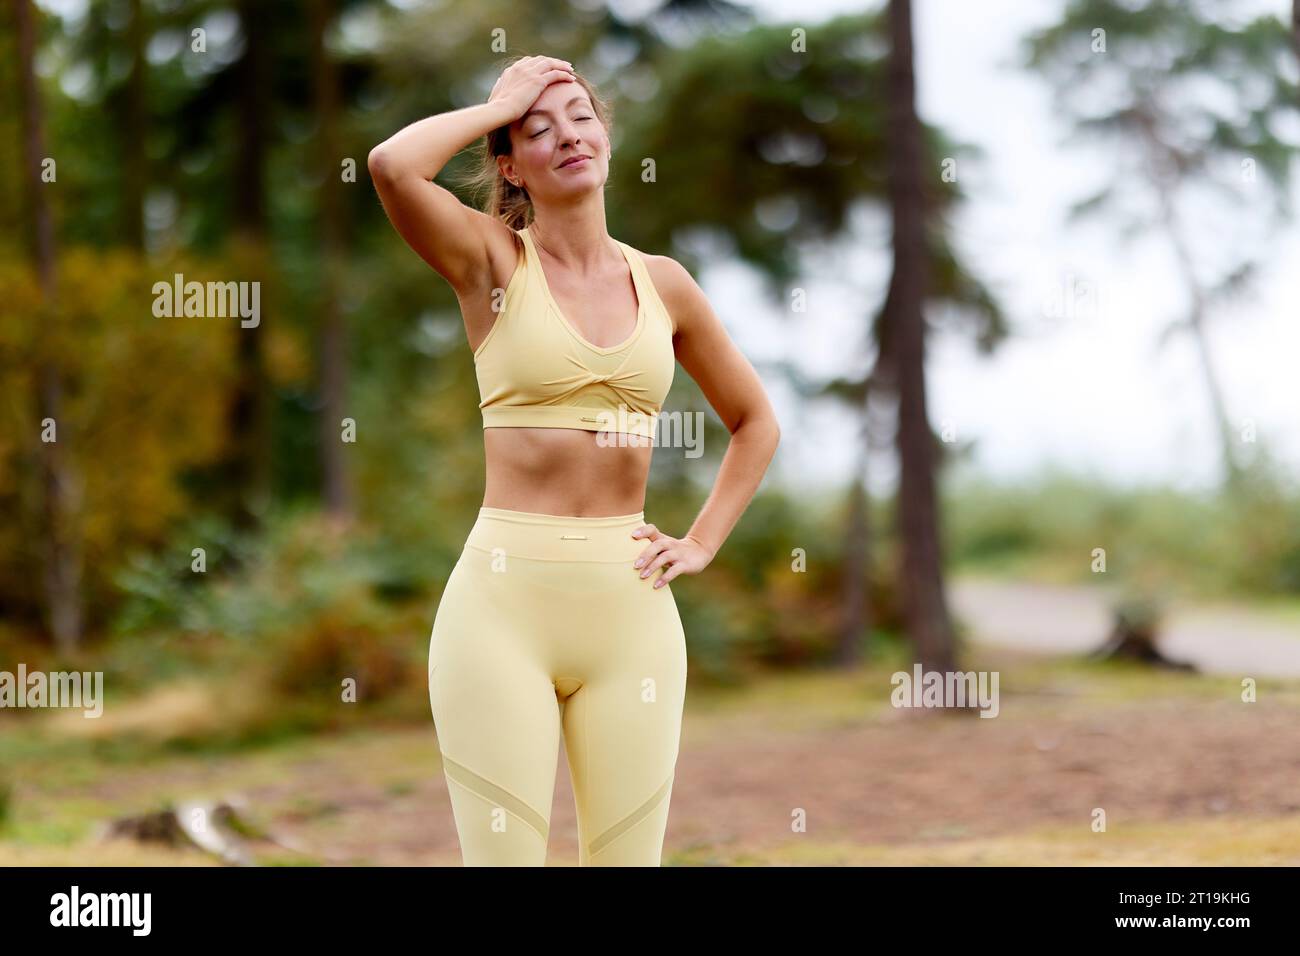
[535, 370]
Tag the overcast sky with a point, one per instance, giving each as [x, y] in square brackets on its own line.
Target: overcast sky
[1089, 392]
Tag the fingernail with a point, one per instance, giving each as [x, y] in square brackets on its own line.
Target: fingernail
[639, 562]
[644, 573]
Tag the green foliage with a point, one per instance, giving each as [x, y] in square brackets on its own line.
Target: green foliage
[310, 598]
[351, 639]
[1190, 87]
[162, 388]
[752, 609]
[777, 154]
[780, 155]
[1156, 539]
[141, 404]
[298, 565]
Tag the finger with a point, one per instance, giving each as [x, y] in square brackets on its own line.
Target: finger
[677, 568]
[550, 64]
[651, 550]
[658, 561]
[646, 531]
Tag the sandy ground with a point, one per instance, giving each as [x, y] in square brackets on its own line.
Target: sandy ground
[863, 775]
[916, 778]
[1184, 770]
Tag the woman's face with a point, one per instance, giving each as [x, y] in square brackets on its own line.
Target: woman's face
[561, 125]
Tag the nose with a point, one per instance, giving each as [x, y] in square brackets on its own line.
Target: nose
[569, 132]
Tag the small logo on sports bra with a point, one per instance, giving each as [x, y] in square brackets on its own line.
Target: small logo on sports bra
[573, 537]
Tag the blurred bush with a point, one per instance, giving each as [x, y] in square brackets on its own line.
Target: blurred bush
[350, 638]
[750, 609]
[142, 402]
[1244, 541]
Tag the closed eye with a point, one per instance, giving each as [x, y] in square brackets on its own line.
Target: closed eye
[580, 119]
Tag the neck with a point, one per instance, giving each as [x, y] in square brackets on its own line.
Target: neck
[574, 235]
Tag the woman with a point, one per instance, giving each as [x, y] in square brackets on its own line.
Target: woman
[557, 616]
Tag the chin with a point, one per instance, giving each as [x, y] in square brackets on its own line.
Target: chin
[584, 185]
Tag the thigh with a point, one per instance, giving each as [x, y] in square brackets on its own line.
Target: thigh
[623, 727]
[495, 714]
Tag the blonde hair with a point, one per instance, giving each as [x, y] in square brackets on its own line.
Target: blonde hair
[496, 195]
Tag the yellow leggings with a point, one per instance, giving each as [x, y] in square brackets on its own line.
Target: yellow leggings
[546, 627]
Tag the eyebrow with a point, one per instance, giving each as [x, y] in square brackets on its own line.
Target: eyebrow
[576, 99]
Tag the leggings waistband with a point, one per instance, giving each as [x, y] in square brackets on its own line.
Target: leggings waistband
[543, 537]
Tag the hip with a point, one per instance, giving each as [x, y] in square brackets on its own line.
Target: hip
[560, 590]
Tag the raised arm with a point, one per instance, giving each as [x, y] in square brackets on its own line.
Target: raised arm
[453, 238]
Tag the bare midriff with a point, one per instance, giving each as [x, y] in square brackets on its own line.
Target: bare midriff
[558, 471]
[564, 471]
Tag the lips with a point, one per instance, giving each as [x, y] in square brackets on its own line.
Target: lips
[573, 159]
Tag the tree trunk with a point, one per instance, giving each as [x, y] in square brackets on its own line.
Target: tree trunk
[1196, 318]
[1219, 411]
[135, 155]
[59, 486]
[857, 549]
[924, 602]
[333, 340]
[1295, 26]
[248, 459]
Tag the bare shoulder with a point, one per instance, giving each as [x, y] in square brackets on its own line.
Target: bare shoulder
[681, 294]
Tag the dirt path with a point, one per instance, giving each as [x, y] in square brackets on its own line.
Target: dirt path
[1154, 750]
[1219, 639]
[909, 780]
[902, 778]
